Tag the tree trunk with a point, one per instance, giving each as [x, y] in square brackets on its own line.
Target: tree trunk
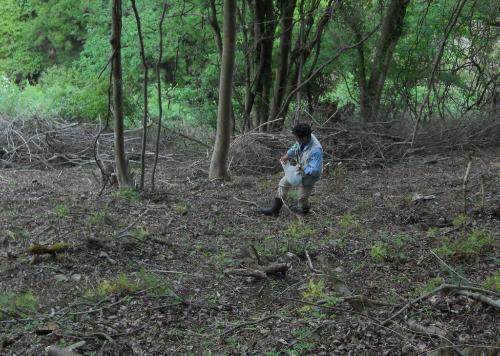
[120, 159]
[258, 89]
[287, 10]
[145, 95]
[218, 164]
[371, 91]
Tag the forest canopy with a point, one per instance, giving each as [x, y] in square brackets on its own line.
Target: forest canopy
[374, 58]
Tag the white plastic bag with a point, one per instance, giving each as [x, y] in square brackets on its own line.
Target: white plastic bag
[292, 174]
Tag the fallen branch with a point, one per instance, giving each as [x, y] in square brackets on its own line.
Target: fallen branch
[275, 268]
[248, 323]
[309, 262]
[481, 298]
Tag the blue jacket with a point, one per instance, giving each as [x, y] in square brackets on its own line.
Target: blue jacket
[310, 158]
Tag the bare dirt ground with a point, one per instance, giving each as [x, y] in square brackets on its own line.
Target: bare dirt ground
[160, 274]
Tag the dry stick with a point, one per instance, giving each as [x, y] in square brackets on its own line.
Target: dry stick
[464, 184]
[248, 323]
[482, 192]
[481, 298]
[309, 262]
[160, 109]
[122, 232]
[448, 266]
[451, 23]
[416, 300]
[145, 118]
[256, 253]
[246, 201]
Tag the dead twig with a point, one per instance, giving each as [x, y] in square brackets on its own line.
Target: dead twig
[248, 323]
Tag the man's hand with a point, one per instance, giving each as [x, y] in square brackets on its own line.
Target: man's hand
[284, 158]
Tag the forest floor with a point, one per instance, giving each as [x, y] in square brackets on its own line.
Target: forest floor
[161, 273]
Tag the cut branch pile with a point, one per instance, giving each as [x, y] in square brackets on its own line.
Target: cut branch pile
[365, 144]
[49, 144]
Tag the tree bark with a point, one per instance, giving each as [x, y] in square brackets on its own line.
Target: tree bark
[160, 105]
[371, 90]
[218, 164]
[280, 82]
[120, 159]
[145, 89]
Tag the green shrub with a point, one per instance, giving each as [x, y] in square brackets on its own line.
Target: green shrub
[129, 194]
[22, 304]
[493, 282]
[297, 230]
[476, 242]
[379, 252]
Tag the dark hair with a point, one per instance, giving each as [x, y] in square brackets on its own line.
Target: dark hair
[302, 130]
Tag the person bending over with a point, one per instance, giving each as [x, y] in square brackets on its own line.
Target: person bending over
[309, 154]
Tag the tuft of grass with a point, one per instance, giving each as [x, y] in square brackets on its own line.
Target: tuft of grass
[314, 292]
[139, 233]
[181, 208]
[433, 232]
[293, 194]
[348, 223]
[379, 252]
[476, 242]
[61, 211]
[17, 305]
[122, 285]
[431, 284]
[129, 194]
[460, 220]
[493, 282]
[157, 285]
[298, 230]
[97, 218]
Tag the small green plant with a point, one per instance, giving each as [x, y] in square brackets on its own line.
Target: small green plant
[460, 220]
[17, 305]
[314, 292]
[181, 208]
[433, 232]
[379, 252]
[97, 218]
[349, 224]
[139, 233]
[129, 194]
[298, 230]
[431, 284]
[156, 284]
[121, 286]
[476, 242]
[61, 211]
[221, 260]
[293, 194]
[493, 282]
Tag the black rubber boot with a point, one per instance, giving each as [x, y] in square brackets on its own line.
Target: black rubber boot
[275, 209]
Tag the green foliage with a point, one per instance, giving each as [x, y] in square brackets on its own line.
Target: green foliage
[379, 252]
[314, 292]
[97, 218]
[17, 305]
[433, 232]
[460, 220]
[181, 208]
[129, 194]
[476, 242]
[122, 285]
[493, 282]
[155, 284]
[139, 233]
[298, 230]
[431, 284]
[61, 211]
